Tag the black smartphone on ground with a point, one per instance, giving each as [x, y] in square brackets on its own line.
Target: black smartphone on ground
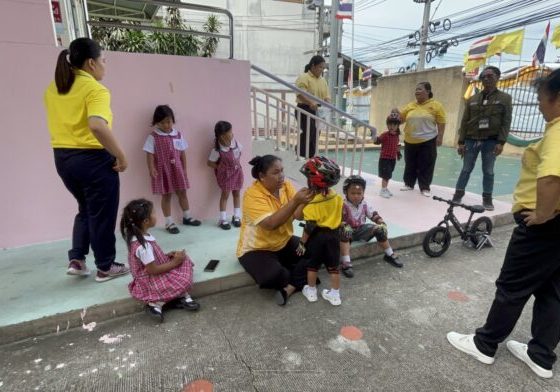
[211, 266]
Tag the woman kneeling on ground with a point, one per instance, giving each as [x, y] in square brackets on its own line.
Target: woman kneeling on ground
[267, 246]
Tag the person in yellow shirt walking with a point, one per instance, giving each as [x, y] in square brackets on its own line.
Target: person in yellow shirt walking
[87, 156]
[532, 262]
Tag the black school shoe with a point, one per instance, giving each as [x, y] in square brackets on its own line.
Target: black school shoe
[191, 222]
[281, 297]
[393, 260]
[182, 303]
[235, 221]
[155, 312]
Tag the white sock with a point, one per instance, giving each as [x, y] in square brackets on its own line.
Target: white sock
[345, 259]
[389, 251]
[157, 304]
[313, 288]
[188, 297]
[168, 221]
[335, 292]
[223, 216]
[237, 212]
[186, 214]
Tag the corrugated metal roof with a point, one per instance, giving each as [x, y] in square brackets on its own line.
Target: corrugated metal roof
[122, 9]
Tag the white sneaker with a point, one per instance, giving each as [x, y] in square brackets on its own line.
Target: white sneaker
[310, 293]
[426, 193]
[520, 351]
[406, 188]
[334, 299]
[384, 192]
[465, 343]
[389, 192]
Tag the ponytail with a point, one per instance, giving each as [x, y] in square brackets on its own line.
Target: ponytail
[132, 220]
[63, 75]
[80, 50]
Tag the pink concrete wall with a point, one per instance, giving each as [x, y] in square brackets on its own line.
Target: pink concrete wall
[35, 205]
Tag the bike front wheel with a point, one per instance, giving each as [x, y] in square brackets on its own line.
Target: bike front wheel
[437, 241]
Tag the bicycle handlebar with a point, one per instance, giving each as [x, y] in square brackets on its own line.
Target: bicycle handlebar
[452, 203]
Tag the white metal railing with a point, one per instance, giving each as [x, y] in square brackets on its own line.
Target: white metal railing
[275, 118]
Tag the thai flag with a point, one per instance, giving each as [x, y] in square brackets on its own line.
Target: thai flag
[478, 50]
[538, 56]
[367, 74]
[344, 10]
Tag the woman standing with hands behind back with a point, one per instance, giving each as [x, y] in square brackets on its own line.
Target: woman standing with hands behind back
[87, 156]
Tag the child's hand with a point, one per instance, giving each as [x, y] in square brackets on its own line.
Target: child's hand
[304, 196]
[300, 250]
[153, 173]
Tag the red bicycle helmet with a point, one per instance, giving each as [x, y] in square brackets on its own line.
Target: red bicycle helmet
[321, 173]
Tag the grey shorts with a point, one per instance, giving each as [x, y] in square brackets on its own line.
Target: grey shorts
[366, 232]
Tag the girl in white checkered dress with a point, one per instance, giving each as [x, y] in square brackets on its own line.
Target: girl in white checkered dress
[159, 278]
[224, 159]
[167, 164]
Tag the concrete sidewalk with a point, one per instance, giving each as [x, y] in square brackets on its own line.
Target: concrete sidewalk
[388, 335]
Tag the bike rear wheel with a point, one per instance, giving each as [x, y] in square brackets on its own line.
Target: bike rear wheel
[480, 227]
[437, 241]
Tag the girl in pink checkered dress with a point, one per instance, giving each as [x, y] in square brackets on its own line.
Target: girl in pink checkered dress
[167, 164]
[158, 278]
[224, 159]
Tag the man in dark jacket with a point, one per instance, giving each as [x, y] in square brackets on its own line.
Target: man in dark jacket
[484, 129]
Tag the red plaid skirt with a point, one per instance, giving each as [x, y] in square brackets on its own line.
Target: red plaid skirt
[229, 173]
[167, 160]
[163, 287]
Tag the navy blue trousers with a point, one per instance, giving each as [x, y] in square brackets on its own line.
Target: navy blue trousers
[89, 176]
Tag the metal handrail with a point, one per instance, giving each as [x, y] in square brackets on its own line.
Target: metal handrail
[315, 99]
[195, 7]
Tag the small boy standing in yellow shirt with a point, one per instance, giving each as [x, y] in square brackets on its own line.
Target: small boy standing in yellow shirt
[320, 243]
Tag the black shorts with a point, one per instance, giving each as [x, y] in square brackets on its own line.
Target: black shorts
[323, 247]
[386, 167]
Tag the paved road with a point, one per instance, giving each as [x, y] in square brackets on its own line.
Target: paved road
[388, 335]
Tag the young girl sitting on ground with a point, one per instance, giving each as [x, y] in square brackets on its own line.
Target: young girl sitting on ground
[355, 228]
[167, 164]
[390, 152]
[158, 278]
[224, 159]
[321, 237]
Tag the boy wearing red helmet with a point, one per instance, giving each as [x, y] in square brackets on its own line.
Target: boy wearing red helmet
[390, 152]
[323, 215]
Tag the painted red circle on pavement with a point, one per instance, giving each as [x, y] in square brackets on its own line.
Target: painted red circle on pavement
[199, 386]
[351, 333]
[457, 296]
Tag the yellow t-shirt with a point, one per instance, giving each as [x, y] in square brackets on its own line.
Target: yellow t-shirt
[313, 85]
[539, 160]
[259, 204]
[67, 114]
[326, 211]
[421, 120]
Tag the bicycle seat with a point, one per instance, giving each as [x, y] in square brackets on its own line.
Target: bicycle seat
[476, 208]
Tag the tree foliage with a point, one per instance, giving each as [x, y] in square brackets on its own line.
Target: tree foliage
[129, 40]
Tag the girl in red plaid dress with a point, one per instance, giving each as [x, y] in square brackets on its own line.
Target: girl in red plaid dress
[158, 277]
[390, 152]
[167, 164]
[224, 159]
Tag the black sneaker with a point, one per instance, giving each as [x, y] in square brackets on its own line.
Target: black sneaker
[348, 272]
[487, 204]
[191, 222]
[155, 312]
[393, 260]
[458, 196]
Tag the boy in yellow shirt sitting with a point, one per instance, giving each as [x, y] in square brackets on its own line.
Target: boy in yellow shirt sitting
[320, 243]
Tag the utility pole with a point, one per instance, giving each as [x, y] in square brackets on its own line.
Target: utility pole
[321, 9]
[424, 33]
[334, 48]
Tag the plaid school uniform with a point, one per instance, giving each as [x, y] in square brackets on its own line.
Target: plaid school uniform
[163, 287]
[167, 160]
[229, 173]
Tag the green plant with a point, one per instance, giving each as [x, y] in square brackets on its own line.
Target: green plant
[210, 44]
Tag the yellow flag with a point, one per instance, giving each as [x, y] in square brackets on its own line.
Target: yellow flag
[360, 73]
[506, 43]
[555, 40]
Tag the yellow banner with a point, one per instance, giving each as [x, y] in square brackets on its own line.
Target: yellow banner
[555, 39]
[506, 43]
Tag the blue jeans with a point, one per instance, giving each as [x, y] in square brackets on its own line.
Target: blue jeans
[486, 150]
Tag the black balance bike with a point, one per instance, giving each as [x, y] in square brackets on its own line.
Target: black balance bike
[474, 235]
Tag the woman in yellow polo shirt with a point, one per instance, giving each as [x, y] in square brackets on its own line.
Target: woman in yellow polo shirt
[423, 133]
[267, 246]
[87, 156]
[532, 261]
[313, 82]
